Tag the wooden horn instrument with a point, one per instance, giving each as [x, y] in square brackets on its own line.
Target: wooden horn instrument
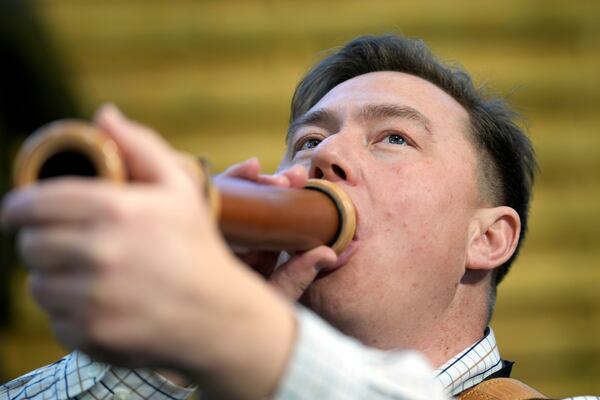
[250, 215]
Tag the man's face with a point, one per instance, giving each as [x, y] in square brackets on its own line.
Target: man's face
[399, 147]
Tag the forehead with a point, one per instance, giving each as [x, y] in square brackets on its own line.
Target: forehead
[390, 87]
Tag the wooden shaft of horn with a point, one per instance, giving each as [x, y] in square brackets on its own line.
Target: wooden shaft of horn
[259, 216]
[250, 215]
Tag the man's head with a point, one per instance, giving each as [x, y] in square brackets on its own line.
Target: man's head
[441, 177]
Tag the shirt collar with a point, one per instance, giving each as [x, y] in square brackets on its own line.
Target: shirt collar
[471, 366]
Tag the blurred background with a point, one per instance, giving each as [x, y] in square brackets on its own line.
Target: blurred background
[216, 79]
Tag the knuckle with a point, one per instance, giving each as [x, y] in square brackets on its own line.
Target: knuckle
[117, 211]
[105, 255]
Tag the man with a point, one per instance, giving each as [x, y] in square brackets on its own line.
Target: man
[137, 276]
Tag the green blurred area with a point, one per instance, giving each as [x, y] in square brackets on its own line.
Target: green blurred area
[216, 79]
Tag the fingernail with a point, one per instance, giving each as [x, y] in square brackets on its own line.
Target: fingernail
[115, 111]
[252, 161]
[109, 112]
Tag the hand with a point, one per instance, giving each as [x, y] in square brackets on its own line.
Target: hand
[263, 261]
[294, 276]
[137, 275]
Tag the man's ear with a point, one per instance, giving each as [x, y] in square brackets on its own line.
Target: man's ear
[493, 237]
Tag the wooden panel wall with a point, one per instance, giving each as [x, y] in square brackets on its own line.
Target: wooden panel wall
[216, 78]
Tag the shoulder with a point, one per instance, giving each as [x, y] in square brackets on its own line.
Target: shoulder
[72, 374]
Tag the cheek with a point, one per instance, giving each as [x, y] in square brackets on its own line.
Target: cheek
[423, 219]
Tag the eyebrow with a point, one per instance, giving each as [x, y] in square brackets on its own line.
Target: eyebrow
[315, 117]
[369, 112]
[372, 112]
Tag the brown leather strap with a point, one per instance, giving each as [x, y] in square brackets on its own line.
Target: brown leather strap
[501, 389]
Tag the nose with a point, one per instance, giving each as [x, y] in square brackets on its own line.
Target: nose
[332, 161]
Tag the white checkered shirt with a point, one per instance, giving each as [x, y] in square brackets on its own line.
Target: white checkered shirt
[325, 365]
[76, 376]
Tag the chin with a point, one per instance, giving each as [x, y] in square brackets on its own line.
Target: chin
[333, 295]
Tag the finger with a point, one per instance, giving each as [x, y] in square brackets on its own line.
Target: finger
[297, 176]
[262, 262]
[69, 332]
[54, 250]
[148, 157]
[293, 277]
[273, 180]
[64, 200]
[248, 169]
[61, 296]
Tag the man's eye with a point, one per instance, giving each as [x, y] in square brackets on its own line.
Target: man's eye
[394, 138]
[309, 144]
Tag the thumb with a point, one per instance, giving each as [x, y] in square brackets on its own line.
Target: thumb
[147, 156]
[293, 277]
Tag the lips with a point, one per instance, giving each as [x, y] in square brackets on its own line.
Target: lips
[348, 252]
[345, 255]
[342, 259]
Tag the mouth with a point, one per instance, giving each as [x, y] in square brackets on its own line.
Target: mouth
[348, 252]
[344, 256]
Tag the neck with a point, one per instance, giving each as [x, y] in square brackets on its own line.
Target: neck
[439, 336]
[450, 340]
